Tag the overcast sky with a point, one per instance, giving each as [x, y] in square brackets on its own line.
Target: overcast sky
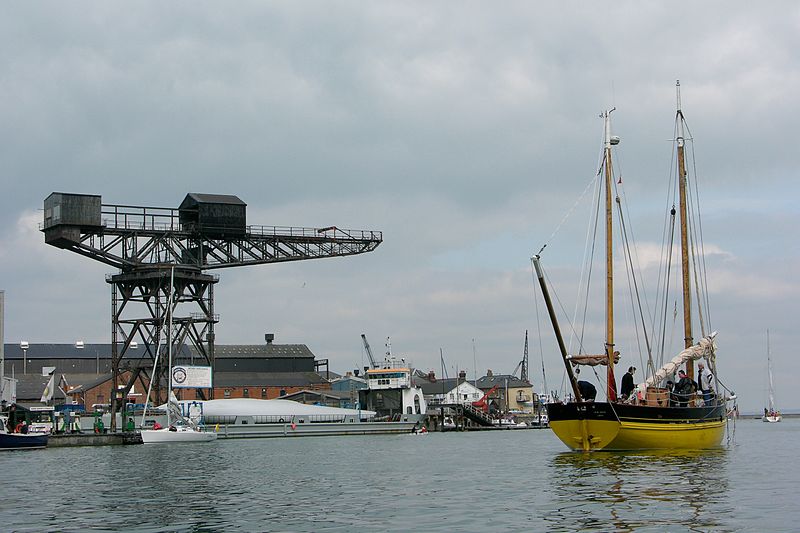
[464, 131]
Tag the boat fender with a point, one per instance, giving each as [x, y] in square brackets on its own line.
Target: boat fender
[281, 421]
[294, 426]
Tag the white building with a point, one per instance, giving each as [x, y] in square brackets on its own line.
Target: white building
[463, 393]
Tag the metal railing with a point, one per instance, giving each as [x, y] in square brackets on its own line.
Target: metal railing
[127, 217]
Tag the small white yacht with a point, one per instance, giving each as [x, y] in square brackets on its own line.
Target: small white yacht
[176, 433]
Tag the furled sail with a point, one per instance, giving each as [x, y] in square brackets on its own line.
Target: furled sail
[703, 349]
[591, 360]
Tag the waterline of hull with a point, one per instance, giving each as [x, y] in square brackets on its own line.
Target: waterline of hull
[612, 427]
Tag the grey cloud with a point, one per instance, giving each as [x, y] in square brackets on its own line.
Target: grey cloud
[463, 131]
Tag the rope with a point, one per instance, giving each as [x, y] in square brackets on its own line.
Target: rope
[632, 278]
[588, 263]
[667, 247]
[539, 331]
[566, 216]
[564, 311]
[700, 227]
[694, 255]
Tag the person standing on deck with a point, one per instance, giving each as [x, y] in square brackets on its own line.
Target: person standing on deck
[705, 380]
[627, 383]
[684, 389]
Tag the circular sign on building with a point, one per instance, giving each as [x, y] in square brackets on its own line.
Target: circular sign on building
[191, 377]
[178, 376]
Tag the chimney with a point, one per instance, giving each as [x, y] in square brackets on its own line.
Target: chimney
[462, 376]
[432, 376]
[356, 372]
[269, 337]
[489, 373]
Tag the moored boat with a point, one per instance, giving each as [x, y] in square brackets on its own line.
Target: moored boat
[179, 429]
[20, 441]
[652, 415]
[176, 433]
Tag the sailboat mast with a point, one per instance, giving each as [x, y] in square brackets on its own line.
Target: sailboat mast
[554, 320]
[169, 341]
[609, 176]
[684, 215]
[771, 386]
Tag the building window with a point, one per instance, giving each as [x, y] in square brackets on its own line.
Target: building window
[227, 393]
[283, 392]
[246, 393]
[264, 393]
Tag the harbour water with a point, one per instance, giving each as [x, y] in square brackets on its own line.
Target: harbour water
[488, 481]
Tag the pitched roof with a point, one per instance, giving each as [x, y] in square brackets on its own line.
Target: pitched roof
[487, 382]
[72, 351]
[103, 351]
[88, 384]
[260, 351]
[30, 386]
[204, 198]
[431, 388]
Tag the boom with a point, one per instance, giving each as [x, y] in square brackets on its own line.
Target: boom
[369, 351]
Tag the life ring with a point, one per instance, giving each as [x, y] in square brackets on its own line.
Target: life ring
[281, 421]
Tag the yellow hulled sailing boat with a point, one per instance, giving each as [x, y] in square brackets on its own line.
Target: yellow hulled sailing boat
[653, 415]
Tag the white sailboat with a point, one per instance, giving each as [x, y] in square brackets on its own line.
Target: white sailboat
[178, 428]
[770, 413]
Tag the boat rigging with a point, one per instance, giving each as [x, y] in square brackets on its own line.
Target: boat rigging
[654, 415]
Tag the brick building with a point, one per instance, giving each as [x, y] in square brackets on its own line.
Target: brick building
[263, 371]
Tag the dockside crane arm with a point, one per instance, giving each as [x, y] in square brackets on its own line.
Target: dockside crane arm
[369, 352]
[483, 404]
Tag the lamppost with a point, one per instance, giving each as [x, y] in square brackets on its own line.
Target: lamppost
[24, 345]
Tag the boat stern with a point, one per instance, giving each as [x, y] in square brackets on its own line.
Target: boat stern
[583, 426]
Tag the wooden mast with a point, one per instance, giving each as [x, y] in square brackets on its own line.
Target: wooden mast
[609, 176]
[554, 320]
[684, 212]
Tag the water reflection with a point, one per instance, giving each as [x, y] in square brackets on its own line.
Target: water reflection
[628, 491]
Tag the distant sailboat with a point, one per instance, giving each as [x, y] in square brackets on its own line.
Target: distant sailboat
[770, 414]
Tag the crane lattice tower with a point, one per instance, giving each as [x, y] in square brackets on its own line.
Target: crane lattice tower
[152, 245]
